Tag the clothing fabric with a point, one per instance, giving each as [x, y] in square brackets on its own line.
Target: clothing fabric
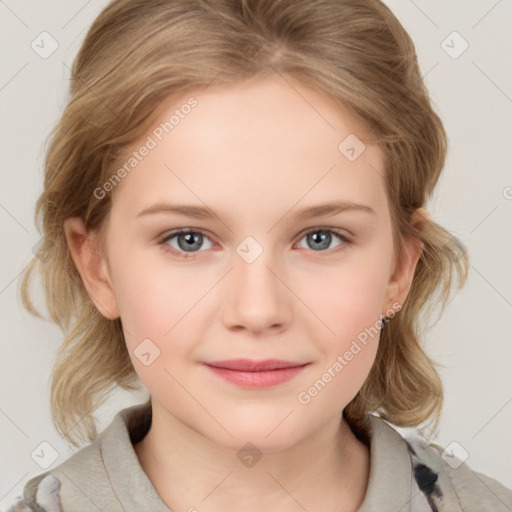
[407, 474]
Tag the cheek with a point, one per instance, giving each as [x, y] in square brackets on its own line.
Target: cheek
[349, 300]
[159, 308]
[151, 296]
[347, 340]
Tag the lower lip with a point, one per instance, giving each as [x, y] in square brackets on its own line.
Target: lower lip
[258, 380]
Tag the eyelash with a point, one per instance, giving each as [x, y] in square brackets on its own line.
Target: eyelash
[181, 254]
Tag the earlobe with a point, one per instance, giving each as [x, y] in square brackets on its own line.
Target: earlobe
[92, 267]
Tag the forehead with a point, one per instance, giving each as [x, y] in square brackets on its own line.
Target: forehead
[273, 140]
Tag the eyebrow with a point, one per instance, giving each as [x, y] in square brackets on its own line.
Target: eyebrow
[200, 212]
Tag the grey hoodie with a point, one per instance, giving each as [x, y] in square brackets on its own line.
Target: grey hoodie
[407, 474]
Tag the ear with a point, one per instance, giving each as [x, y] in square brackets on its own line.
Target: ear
[403, 273]
[92, 266]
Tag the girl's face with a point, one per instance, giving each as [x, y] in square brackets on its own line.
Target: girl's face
[249, 162]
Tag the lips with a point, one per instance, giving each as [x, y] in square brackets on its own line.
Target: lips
[251, 374]
[249, 365]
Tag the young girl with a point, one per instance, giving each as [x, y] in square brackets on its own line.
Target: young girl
[234, 213]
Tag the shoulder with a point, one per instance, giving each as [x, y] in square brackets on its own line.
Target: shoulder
[41, 494]
[450, 483]
[475, 490]
[66, 483]
[84, 480]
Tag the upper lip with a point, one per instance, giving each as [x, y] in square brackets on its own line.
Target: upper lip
[251, 365]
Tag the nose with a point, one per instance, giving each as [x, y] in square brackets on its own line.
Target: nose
[258, 299]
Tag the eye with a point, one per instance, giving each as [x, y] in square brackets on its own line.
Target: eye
[320, 239]
[187, 240]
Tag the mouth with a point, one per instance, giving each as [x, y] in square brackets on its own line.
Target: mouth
[252, 374]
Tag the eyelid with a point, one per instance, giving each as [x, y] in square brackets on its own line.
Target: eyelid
[171, 234]
[344, 233]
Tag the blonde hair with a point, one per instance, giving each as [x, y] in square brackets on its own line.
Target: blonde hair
[138, 53]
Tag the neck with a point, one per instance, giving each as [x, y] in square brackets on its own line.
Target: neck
[327, 470]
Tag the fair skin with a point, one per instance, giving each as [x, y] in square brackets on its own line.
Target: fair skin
[255, 153]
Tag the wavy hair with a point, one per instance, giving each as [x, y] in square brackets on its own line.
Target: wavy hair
[136, 54]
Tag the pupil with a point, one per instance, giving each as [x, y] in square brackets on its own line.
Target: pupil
[323, 237]
[191, 238]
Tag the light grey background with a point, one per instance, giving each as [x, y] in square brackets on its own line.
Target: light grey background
[472, 94]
